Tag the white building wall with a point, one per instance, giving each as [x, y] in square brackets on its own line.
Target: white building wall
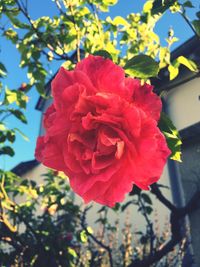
[183, 104]
[135, 217]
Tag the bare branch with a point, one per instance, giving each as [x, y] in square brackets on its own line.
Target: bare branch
[157, 192]
[176, 220]
[107, 248]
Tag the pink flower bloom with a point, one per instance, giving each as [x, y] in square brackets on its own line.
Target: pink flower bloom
[101, 130]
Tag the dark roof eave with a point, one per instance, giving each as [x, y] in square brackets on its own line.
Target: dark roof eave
[191, 50]
[24, 167]
[41, 101]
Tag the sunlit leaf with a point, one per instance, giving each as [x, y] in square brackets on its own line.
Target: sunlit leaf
[172, 136]
[191, 65]
[120, 21]
[83, 236]
[72, 252]
[10, 96]
[173, 72]
[142, 66]
[148, 6]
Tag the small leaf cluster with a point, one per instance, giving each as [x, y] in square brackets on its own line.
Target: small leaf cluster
[13, 103]
[49, 217]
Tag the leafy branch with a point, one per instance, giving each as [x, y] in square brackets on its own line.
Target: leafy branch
[39, 34]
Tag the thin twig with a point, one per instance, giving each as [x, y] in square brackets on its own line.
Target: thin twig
[38, 33]
[150, 231]
[107, 248]
[176, 219]
[93, 7]
[183, 14]
[77, 32]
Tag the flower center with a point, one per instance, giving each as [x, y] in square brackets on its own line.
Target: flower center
[96, 149]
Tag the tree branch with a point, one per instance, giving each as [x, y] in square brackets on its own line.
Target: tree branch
[177, 214]
[107, 248]
[157, 192]
[149, 228]
[39, 34]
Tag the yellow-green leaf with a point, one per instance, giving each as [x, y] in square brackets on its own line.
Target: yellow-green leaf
[191, 65]
[120, 21]
[148, 6]
[172, 136]
[72, 252]
[173, 72]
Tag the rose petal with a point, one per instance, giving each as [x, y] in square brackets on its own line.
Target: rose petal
[144, 98]
[102, 131]
[104, 75]
[49, 153]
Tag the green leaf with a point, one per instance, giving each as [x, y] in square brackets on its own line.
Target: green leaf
[40, 89]
[83, 236]
[116, 207]
[16, 22]
[89, 229]
[2, 127]
[19, 115]
[109, 2]
[172, 136]
[146, 198]
[22, 98]
[10, 136]
[160, 6]
[174, 67]
[103, 53]
[142, 66]
[11, 35]
[188, 4]
[10, 96]
[196, 24]
[7, 150]
[104, 208]
[124, 206]
[3, 71]
[198, 14]
[148, 209]
[2, 137]
[72, 252]
[135, 191]
[191, 65]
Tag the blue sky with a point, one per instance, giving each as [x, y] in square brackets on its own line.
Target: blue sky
[9, 56]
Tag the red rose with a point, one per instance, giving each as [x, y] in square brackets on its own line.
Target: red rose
[101, 130]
